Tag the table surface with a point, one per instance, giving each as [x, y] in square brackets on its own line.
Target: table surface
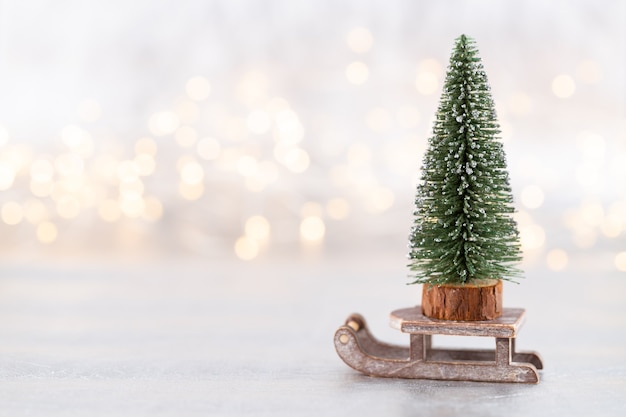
[227, 338]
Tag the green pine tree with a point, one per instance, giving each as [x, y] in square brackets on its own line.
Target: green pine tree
[463, 230]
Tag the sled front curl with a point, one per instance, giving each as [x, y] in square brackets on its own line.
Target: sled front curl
[360, 350]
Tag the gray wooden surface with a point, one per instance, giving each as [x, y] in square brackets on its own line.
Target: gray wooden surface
[228, 338]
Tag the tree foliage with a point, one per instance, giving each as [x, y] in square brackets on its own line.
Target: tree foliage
[463, 230]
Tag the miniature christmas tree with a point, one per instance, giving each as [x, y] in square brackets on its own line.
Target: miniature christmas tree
[463, 231]
[463, 243]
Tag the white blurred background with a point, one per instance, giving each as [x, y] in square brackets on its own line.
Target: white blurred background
[251, 130]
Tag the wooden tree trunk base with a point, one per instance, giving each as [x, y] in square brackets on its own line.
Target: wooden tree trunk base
[469, 302]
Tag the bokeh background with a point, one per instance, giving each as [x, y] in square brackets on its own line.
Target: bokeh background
[194, 195]
[251, 130]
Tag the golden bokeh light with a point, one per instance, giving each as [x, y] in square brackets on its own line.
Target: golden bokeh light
[532, 236]
[563, 86]
[17, 157]
[276, 105]
[506, 130]
[427, 77]
[431, 65]
[69, 164]
[246, 248]
[47, 232]
[255, 184]
[146, 146]
[69, 185]
[401, 162]
[360, 40]
[184, 160]
[340, 175]
[379, 199]
[378, 119]
[259, 122]
[312, 229]
[408, 117]
[620, 261]
[520, 103]
[86, 150]
[41, 189]
[187, 111]
[109, 210]
[144, 164]
[35, 211]
[589, 72]
[612, 225]
[426, 83]
[311, 208]
[186, 136]
[72, 136]
[198, 88]
[208, 148]
[338, 208]
[359, 154]
[131, 186]
[127, 170]
[247, 166]
[132, 205]
[267, 172]
[257, 228]
[232, 128]
[163, 123]
[357, 73]
[68, 207]
[7, 175]
[153, 209]
[88, 196]
[228, 159]
[614, 222]
[105, 168]
[289, 129]
[253, 87]
[296, 160]
[557, 259]
[192, 173]
[75, 137]
[191, 192]
[584, 236]
[523, 218]
[592, 212]
[41, 170]
[12, 213]
[532, 196]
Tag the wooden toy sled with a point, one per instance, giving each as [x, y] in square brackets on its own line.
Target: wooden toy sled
[360, 350]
